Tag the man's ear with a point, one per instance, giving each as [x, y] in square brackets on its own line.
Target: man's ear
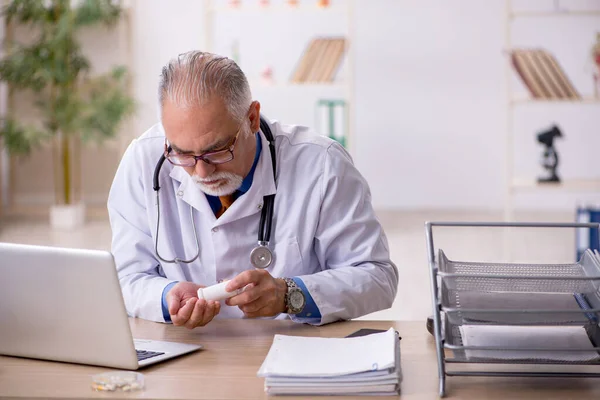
[254, 116]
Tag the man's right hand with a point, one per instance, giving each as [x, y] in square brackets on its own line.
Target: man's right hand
[186, 309]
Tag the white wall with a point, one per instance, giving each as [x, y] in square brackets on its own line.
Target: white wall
[429, 88]
[161, 30]
[429, 93]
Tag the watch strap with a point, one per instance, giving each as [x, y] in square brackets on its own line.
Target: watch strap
[291, 287]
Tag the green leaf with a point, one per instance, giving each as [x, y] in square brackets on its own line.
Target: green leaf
[25, 11]
[26, 68]
[109, 105]
[90, 12]
[53, 65]
[19, 139]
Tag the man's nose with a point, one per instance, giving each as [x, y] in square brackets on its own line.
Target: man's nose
[203, 169]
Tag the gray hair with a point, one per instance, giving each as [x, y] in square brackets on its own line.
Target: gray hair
[196, 77]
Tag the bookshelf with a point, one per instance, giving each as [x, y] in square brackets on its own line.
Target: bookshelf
[556, 13]
[516, 184]
[523, 100]
[283, 99]
[571, 185]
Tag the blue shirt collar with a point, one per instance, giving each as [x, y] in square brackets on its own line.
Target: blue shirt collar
[247, 182]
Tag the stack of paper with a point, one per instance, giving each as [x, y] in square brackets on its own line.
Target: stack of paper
[365, 365]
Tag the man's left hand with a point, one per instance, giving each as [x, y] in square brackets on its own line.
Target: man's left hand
[264, 296]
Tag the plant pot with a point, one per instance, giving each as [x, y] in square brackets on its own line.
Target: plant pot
[67, 216]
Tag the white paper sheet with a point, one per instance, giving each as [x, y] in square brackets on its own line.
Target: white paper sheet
[295, 356]
[529, 337]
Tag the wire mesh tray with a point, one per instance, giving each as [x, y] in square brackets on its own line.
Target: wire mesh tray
[581, 277]
[516, 308]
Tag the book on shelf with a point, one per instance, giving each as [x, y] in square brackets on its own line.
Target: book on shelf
[542, 75]
[320, 60]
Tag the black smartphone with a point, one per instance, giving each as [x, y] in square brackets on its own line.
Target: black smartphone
[368, 331]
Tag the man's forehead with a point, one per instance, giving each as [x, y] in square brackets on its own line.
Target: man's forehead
[209, 114]
[207, 119]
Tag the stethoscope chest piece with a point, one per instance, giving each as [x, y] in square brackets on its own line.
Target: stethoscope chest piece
[261, 257]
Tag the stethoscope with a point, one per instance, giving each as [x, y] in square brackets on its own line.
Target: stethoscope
[261, 256]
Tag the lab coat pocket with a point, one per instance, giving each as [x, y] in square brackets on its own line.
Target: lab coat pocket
[287, 260]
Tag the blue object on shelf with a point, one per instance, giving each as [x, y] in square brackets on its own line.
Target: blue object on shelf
[583, 303]
[587, 238]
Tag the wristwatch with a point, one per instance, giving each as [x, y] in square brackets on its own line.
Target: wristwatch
[294, 297]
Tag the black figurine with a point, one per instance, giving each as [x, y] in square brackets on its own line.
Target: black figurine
[550, 159]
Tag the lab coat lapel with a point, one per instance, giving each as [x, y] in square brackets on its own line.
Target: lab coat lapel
[263, 184]
[190, 193]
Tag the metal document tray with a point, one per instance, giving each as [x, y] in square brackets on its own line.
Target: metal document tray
[510, 298]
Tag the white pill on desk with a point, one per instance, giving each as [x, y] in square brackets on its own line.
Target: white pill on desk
[217, 292]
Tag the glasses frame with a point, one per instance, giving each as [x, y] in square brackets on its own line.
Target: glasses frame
[202, 157]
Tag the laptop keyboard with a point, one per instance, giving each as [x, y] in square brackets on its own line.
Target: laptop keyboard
[144, 354]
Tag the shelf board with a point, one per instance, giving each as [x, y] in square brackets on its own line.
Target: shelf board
[583, 100]
[572, 185]
[557, 13]
[256, 84]
[279, 8]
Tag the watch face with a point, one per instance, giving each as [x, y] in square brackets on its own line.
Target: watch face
[296, 301]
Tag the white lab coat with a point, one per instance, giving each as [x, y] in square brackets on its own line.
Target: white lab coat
[324, 228]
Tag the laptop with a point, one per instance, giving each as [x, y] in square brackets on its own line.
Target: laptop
[66, 305]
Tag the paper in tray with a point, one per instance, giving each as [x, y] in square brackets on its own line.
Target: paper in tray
[531, 340]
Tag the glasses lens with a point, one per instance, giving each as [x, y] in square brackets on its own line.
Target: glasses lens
[181, 160]
[219, 157]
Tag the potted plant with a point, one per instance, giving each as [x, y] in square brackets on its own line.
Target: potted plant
[74, 106]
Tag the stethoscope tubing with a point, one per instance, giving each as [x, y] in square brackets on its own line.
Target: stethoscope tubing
[266, 216]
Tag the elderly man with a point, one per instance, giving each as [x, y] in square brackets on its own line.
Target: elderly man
[194, 219]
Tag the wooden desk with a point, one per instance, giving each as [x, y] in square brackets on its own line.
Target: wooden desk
[234, 350]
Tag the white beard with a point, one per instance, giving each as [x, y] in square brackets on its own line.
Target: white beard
[231, 183]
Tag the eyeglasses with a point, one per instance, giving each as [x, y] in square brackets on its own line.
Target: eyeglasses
[213, 157]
